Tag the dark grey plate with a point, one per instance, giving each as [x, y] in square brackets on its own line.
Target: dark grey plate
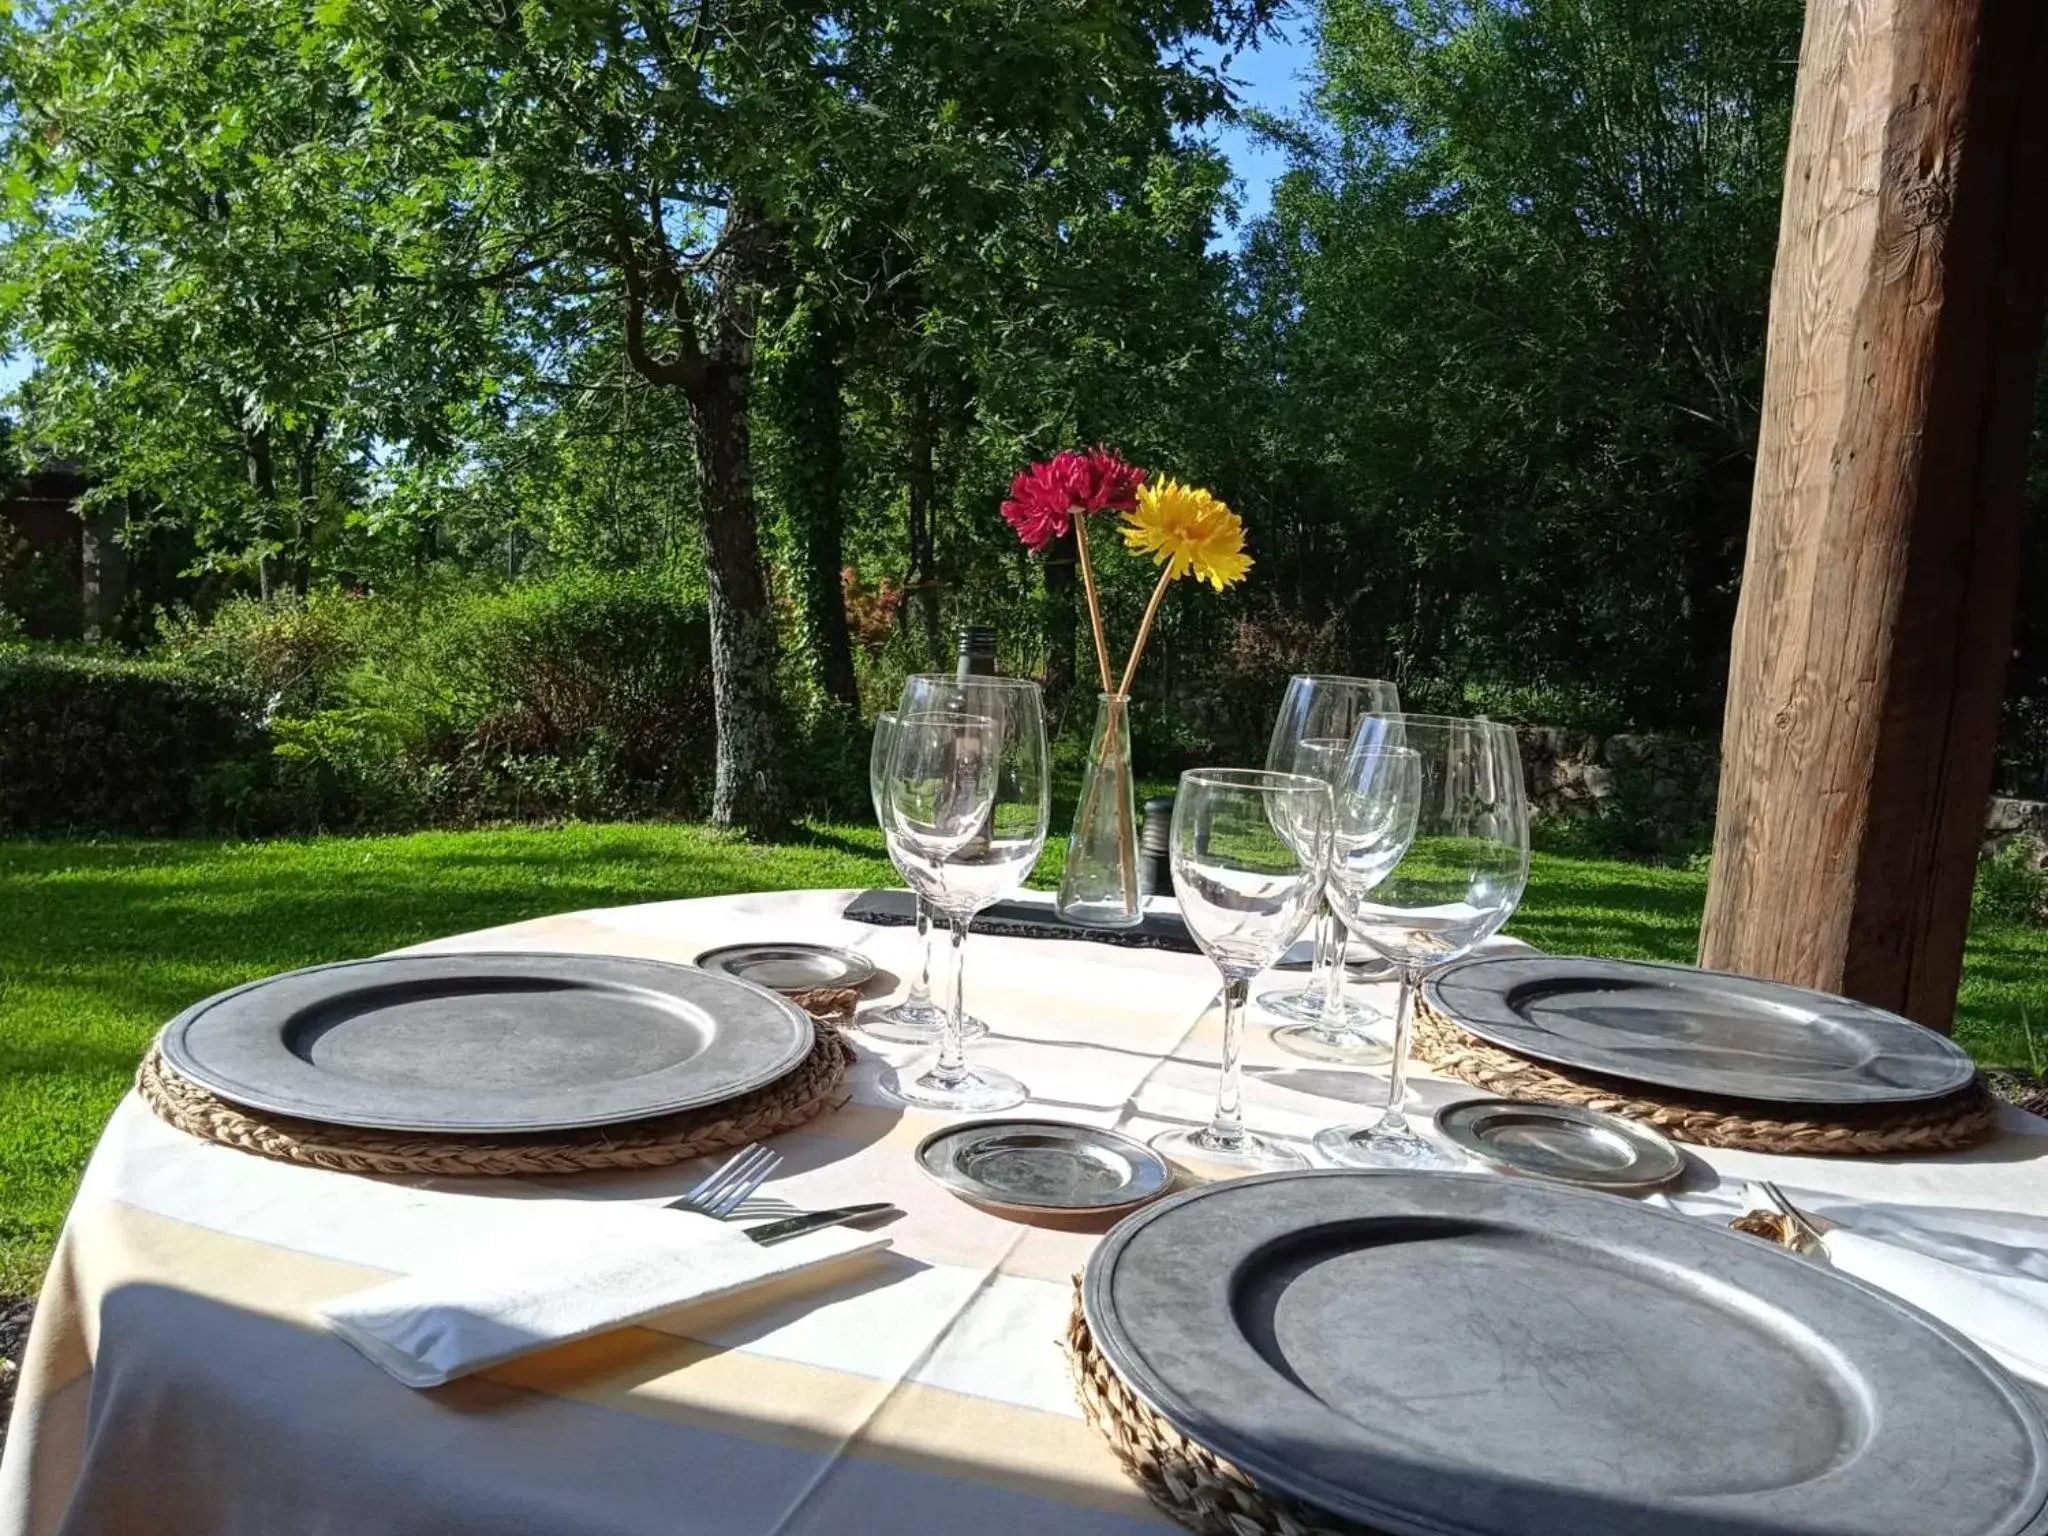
[1043, 1166]
[1561, 1141]
[1433, 1353]
[482, 1043]
[789, 967]
[1693, 1031]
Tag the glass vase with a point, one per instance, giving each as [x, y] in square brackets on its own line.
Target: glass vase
[1100, 886]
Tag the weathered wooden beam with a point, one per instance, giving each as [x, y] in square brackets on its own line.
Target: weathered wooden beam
[1875, 620]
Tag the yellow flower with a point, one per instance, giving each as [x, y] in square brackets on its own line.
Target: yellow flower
[1185, 528]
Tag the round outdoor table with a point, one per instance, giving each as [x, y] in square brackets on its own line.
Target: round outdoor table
[177, 1382]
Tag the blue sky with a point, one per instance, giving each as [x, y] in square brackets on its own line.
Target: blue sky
[1273, 77]
[1269, 77]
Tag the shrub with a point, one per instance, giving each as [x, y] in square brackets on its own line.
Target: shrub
[829, 751]
[107, 744]
[295, 653]
[870, 612]
[346, 768]
[586, 695]
[2011, 885]
[1228, 718]
[606, 677]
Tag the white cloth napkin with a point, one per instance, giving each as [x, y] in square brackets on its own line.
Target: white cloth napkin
[572, 1269]
[2007, 1317]
[1984, 1273]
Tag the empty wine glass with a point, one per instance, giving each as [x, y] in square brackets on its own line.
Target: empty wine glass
[1457, 878]
[966, 811]
[1318, 718]
[917, 1019]
[1250, 849]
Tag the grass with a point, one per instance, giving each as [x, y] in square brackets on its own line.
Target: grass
[100, 942]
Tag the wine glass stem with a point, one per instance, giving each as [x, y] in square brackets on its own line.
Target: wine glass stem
[1226, 1129]
[1330, 956]
[921, 990]
[952, 1065]
[1393, 1122]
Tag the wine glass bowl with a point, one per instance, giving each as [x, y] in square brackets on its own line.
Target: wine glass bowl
[967, 801]
[1312, 735]
[1376, 803]
[941, 791]
[1430, 858]
[878, 764]
[916, 1020]
[1249, 850]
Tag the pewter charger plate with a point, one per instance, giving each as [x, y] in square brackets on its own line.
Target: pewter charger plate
[1043, 1167]
[1455, 1354]
[789, 967]
[1693, 1031]
[487, 1043]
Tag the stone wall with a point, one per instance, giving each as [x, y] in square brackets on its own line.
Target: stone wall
[2022, 821]
[1656, 793]
[1640, 792]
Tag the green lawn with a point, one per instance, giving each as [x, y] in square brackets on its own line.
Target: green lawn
[100, 942]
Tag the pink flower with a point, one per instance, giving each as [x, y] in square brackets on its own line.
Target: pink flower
[1041, 505]
[1045, 499]
[1109, 484]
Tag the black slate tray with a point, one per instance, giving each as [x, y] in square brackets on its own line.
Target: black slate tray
[1022, 920]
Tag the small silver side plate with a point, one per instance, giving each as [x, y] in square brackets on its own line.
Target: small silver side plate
[789, 967]
[1561, 1141]
[1044, 1167]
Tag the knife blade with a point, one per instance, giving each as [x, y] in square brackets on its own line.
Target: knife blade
[815, 1221]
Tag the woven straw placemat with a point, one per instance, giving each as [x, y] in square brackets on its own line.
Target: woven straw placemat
[1194, 1486]
[801, 1095]
[1961, 1119]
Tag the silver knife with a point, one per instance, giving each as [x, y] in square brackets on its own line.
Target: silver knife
[815, 1221]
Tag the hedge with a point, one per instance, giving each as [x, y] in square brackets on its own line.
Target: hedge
[112, 744]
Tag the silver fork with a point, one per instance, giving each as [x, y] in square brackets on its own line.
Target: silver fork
[721, 1193]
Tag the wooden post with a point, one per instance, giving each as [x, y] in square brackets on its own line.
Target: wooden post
[1875, 622]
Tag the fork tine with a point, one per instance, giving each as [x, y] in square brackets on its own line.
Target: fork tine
[711, 1181]
[735, 1175]
[732, 1199]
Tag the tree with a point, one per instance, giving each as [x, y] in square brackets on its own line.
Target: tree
[690, 163]
[219, 324]
[1512, 301]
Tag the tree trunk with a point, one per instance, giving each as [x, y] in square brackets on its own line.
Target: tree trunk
[813, 418]
[749, 789]
[1876, 608]
[715, 371]
[922, 477]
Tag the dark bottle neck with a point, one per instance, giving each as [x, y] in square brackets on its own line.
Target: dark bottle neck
[978, 650]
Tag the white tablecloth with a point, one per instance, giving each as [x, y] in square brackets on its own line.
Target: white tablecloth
[177, 1383]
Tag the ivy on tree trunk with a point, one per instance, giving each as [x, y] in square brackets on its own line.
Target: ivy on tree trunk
[921, 477]
[811, 415]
